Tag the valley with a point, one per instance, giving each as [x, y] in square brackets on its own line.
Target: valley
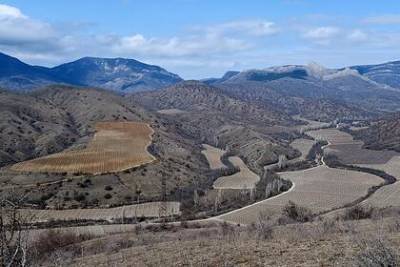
[197, 156]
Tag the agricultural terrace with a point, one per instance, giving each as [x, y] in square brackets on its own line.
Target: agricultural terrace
[386, 196]
[350, 151]
[304, 146]
[333, 136]
[391, 167]
[244, 179]
[319, 189]
[213, 156]
[311, 125]
[144, 210]
[116, 146]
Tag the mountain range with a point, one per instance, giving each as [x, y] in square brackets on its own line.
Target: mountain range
[118, 74]
[351, 92]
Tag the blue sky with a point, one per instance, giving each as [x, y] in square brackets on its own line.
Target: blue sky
[198, 39]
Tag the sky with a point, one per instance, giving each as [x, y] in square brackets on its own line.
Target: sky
[203, 38]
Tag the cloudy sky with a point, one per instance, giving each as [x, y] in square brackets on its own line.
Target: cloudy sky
[201, 38]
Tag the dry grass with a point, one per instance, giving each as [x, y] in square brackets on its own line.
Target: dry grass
[244, 179]
[316, 244]
[318, 189]
[144, 210]
[213, 156]
[116, 146]
[172, 111]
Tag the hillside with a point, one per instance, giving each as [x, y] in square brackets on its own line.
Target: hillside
[62, 118]
[209, 114]
[117, 74]
[386, 73]
[383, 134]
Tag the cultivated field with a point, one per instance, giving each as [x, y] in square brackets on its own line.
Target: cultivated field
[311, 125]
[391, 167]
[213, 156]
[350, 151]
[244, 179]
[301, 144]
[304, 146]
[333, 136]
[386, 196]
[319, 189]
[116, 146]
[145, 210]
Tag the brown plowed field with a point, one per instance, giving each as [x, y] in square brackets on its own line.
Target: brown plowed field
[116, 146]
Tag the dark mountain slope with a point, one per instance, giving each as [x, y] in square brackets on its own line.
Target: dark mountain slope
[386, 73]
[15, 74]
[118, 74]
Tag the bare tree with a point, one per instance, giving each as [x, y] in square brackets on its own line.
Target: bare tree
[13, 236]
[195, 198]
[217, 201]
[282, 161]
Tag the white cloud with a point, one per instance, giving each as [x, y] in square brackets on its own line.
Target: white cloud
[17, 28]
[177, 46]
[357, 36]
[248, 27]
[10, 12]
[322, 33]
[383, 19]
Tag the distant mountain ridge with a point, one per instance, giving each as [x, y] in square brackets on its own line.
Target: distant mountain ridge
[358, 86]
[117, 74]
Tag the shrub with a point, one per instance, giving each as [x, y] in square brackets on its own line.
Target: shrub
[80, 197]
[376, 253]
[107, 196]
[358, 212]
[108, 188]
[51, 240]
[297, 213]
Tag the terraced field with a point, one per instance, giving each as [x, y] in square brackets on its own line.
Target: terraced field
[213, 156]
[244, 179]
[301, 144]
[304, 146]
[116, 146]
[311, 125]
[386, 196]
[333, 136]
[351, 152]
[320, 189]
[145, 210]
